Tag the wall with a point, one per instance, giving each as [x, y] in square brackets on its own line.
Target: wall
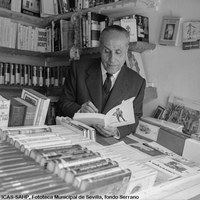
[172, 70]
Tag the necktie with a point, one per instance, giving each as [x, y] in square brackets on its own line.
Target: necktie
[107, 83]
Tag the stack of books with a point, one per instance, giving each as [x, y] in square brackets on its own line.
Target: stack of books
[82, 169]
[30, 109]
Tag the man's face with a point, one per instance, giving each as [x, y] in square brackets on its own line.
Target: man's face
[114, 49]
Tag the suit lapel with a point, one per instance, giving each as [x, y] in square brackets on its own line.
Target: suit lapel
[117, 93]
[94, 84]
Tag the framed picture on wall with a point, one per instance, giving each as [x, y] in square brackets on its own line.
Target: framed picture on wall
[169, 31]
[158, 112]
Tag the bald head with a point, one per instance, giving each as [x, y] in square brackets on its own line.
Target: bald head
[114, 29]
[114, 43]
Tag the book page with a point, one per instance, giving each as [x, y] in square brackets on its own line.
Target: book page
[121, 115]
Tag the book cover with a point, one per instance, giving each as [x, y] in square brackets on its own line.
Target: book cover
[147, 130]
[106, 177]
[57, 164]
[171, 139]
[54, 152]
[40, 101]
[183, 111]
[120, 115]
[17, 113]
[4, 111]
[130, 25]
[31, 7]
[30, 111]
[191, 150]
[47, 8]
[142, 28]
[171, 166]
[72, 173]
[41, 44]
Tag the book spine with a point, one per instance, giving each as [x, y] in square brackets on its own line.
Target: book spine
[58, 164]
[91, 168]
[12, 73]
[115, 176]
[2, 73]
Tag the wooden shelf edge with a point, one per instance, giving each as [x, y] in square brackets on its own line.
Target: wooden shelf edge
[16, 16]
[12, 51]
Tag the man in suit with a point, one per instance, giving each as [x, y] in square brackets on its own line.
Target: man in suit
[84, 89]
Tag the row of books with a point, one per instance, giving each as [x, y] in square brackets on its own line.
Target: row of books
[62, 34]
[45, 8]
[24, 37]
[32, 75]
[137, 25]
[29, 109]
[21, 175]
[55, 7]
[80, 168]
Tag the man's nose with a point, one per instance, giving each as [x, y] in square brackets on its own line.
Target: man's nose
[112, 57]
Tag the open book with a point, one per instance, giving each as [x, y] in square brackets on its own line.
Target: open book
[120, 115]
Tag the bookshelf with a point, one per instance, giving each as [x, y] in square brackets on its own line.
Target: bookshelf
[112, 10]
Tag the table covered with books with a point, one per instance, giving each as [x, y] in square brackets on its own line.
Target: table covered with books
[57, 160]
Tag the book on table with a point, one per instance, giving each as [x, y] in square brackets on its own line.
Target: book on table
[40, 101]
[17, 113]
[30, 111]
[120, 115]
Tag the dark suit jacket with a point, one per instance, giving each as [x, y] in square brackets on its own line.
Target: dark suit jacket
[84, 83]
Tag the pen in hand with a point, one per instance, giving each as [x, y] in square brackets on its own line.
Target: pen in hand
[88, 107]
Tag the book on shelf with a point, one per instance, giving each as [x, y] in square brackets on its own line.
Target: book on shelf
[142, 28]
[40, 101]
[31, 7]
[66, 34]
[4, 111]
[96, 23]
[48, 8]
[17, 113]
[130, 25]
[120, 115]
[30, 111]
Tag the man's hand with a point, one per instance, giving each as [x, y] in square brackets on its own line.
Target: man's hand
[106, 131]
[88, 107]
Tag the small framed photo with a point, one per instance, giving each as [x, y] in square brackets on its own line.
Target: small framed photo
[158, 112]
[169, 31]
